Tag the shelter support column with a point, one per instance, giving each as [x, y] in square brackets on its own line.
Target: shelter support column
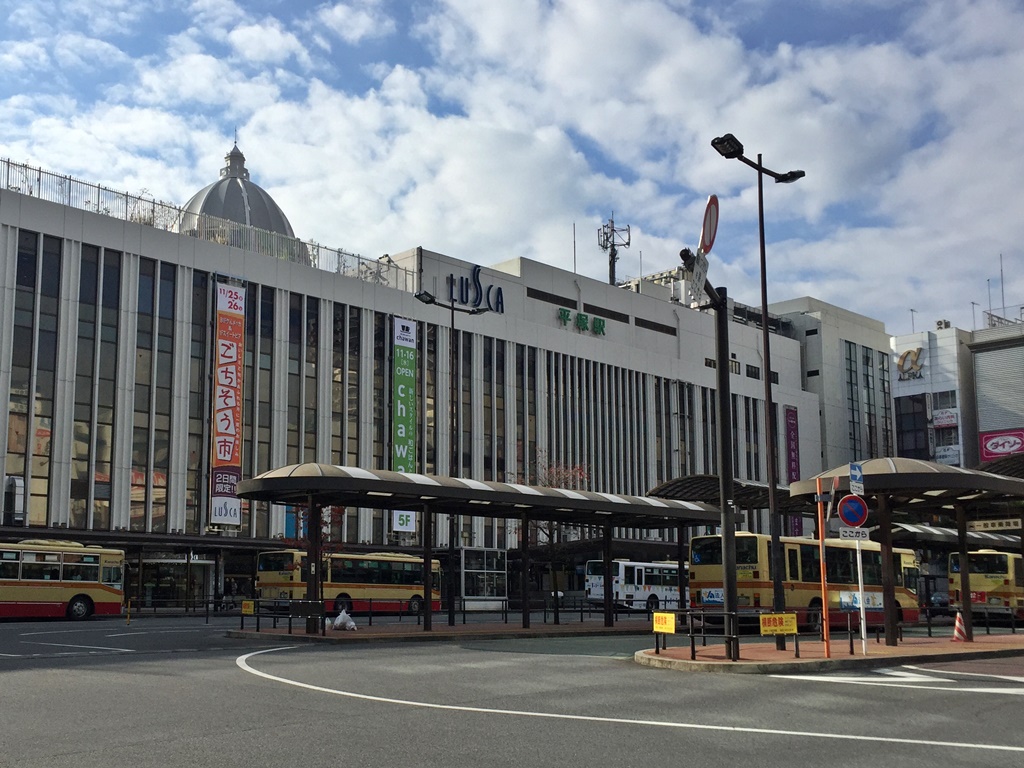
[965, 571]
[428, 571]
[524, 576]
[609, 618]
[682, 576]
[314, 560]
[888, 572]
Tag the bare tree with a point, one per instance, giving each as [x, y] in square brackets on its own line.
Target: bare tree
[554, 536]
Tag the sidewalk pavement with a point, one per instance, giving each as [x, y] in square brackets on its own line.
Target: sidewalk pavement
[756, 655]
[759, 656]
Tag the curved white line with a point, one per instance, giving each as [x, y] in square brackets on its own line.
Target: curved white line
[243, 664]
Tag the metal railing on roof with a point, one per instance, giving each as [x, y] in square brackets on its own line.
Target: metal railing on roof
[140, 209]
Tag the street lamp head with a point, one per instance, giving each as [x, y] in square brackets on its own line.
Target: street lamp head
[478, 310]
[790, 177]
[728, 146]
[426, 297]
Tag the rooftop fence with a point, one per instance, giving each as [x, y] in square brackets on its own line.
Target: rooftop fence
[65, 190]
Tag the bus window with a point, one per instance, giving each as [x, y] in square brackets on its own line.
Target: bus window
[9, 565]
[839, 567]
[706, 551]
[630, 576]
[595, 567]
[746, 550]
[275, 561]
[872, 567]
[810, 564]
[794, 564]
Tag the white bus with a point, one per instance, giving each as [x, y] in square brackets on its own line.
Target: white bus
[650, 586]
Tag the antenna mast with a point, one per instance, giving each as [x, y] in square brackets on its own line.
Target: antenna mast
[610, 238]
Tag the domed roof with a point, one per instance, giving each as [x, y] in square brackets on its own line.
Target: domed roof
[235, 198]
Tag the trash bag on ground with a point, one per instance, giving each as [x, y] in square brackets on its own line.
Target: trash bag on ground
[344, 621]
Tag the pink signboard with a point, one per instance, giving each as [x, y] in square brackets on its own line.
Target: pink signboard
[995, 445]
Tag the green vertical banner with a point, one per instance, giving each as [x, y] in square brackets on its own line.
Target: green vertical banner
[403, 397]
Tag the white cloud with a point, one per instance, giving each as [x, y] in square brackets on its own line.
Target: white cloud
[266, 43]
[355, 22]
[501, 125]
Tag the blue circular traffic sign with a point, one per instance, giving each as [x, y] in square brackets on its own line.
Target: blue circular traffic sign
[853, 510]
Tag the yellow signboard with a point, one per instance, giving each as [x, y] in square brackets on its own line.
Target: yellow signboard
[778, 623]
[248, 607]
[665, 622]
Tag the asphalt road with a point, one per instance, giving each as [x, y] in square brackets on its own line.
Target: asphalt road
[175, 691]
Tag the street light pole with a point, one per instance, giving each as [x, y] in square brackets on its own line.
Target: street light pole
[454, 455]
[730, 147]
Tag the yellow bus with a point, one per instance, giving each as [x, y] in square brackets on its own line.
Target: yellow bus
[802, 577]
[997, 582]
[50, 579]
[378, 581]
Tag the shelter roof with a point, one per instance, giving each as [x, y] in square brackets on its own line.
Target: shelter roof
[938, 535]
[331, 485]
[746, 494]
[1010, 466]
[913, 484]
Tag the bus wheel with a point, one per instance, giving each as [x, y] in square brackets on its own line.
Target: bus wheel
[343, 603]
[652, 603]
[415, 604]
[79, 607]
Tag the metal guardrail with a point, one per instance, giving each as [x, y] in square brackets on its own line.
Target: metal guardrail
[142, 209]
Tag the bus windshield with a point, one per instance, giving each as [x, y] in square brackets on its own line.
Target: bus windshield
[981, 563]
[708, 550]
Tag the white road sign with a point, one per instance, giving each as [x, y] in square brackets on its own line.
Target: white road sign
[854, 533]
[856, 479]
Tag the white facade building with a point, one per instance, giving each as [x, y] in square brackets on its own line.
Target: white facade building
[107, 333]
[934, 396]
[845, 363]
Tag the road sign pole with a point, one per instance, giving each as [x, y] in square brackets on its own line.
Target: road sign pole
[860, 589]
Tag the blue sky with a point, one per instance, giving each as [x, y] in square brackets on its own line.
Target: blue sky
[491, 129]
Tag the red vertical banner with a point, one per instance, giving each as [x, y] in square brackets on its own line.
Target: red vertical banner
[226, 456]
[796, 524]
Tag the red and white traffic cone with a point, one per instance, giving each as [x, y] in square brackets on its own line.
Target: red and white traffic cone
[959, 632]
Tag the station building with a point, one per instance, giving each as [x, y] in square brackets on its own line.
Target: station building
[128, 420]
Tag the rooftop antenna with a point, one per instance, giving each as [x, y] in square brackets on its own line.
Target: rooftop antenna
[974, 318]
[1002, 285]
[912, 320]
[609, 238]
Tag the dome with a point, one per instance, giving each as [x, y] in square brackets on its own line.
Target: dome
[236, 199]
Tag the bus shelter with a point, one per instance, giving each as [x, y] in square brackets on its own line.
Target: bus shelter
[315, 486]
[900, 490]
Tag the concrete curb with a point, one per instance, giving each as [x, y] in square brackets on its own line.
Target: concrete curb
[813, 666]
[435, 635]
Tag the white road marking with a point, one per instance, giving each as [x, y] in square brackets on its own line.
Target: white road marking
[163, 632]
[937, 686]
[91, 647]
[971, 674]
[243, 664]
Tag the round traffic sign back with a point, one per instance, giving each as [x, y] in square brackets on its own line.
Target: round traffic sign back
[853, 510]
[710, 228]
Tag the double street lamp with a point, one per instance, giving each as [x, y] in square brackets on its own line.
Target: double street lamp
[729, 147]
[454, 454]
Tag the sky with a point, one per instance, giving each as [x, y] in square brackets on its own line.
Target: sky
[494, 129]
